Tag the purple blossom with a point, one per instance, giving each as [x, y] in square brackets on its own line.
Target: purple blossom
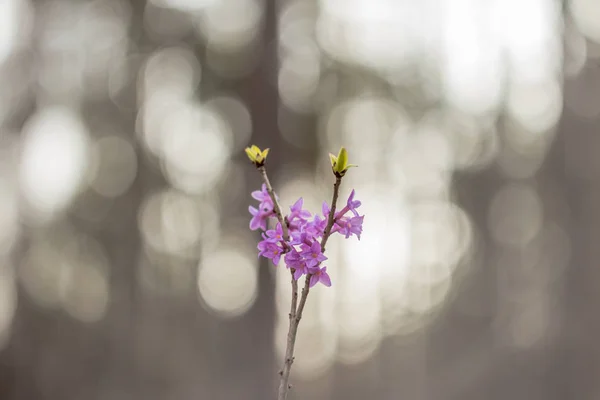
[274, 235]
[266, 203]
[299, 271]
[312, 254]
[270, 250]
[299, 236]
[264, 211]
[298, 216]
[325, 209]
[302, 253]
[351, 205]
[295, 236]
[348, 226]
[297, 212]
[259, 218]
[293, 259]
[319, 275]
[316, 227]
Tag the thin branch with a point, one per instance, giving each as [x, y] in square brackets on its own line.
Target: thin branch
[331, 219]
[286, 236]
[291, 338]
[296, 315]
[326, 234]
[276, 207]
[303, 298]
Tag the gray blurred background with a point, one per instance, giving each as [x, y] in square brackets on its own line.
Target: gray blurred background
[127, 269]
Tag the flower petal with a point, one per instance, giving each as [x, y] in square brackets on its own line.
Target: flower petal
[297, 205]
[325, 209]
[258, 195]
[324, 278]
[351, 197]
[255, 223]
[298, 272]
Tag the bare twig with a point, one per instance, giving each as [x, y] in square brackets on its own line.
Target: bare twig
[331, 219]
[305, 291]
[296, 314]
[291, 340]
[276, 207]
[286, 236]
[291, 337]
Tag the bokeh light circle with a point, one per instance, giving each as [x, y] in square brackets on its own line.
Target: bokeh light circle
[227, 281]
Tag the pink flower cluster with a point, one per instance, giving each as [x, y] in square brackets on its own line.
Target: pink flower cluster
[302, 251]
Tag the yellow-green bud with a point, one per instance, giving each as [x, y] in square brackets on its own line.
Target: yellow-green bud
[256, 155]
[339, 163]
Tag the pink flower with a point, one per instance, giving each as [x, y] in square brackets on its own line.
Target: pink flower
[319, 275]
[259, 218]
[274, 235]
[266, 203]
[297, 212]
[302, 253]
[264, 211]
[348, 226]
[270, 250]
[299, 271]
[351, 205]
[316, 227]
[312, 254]
[294, 260]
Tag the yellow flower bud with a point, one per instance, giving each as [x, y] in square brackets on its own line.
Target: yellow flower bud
[256, 155]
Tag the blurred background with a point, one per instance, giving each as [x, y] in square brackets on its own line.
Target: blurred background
[127, 269]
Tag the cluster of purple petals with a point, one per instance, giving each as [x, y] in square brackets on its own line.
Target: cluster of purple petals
[302, 252]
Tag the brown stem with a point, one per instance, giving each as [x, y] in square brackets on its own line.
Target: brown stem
[296, 314]
[286, 237]
[276, 207]
[289, 352]
[305, 291]
[291, 341]
[331, 219]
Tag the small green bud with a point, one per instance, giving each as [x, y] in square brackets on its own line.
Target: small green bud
[256, 155]
[339, 163]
